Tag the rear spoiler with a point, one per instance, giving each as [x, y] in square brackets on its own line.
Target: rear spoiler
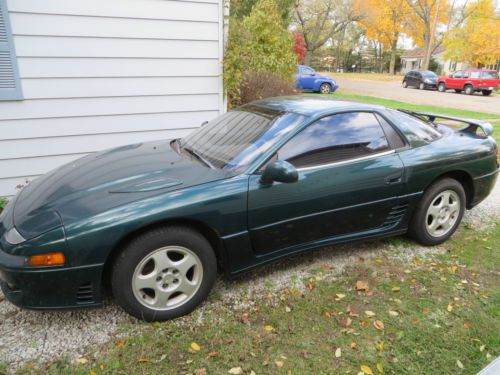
[472, 125]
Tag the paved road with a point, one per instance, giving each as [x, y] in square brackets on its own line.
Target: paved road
[394, 90]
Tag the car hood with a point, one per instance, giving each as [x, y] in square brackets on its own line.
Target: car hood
[322, 76]
[100, 181]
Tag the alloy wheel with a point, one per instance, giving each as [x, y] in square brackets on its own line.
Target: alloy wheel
[443, 213]
[167, 278]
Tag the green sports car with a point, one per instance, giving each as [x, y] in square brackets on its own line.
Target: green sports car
[155, 221]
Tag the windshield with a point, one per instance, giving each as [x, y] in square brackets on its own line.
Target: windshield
[236, 139]
[489, 75]
[422, 129]
[429, 74]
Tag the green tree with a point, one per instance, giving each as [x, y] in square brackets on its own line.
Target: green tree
[243, 8]
[258, 42]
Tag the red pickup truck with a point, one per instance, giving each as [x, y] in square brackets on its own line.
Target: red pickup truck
[470, 81]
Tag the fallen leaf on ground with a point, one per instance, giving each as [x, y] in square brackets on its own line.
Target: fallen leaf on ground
[268, 328]
[317, 278]
[236, 371]
[362, 285]
[345, 322]
[393, 313]
[243, 318]
[339, 296]
[378, 324]
[195, 347]
[381, 346]
[353, 345]
[310, 286]
[278, 364]
[369, 314]
[120, 343]
[396, 289]
[450, 307]
[287, 309]
[380, 368]
[143, 360]
[466, 325]
[366, 369]
[338, 353]
[482, 347]
[200, 371]
[81, 360]
[379, 261]
[460, 364]
[92, 372]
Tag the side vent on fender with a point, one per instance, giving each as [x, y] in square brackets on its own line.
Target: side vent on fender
[85, 294]
[395, 215]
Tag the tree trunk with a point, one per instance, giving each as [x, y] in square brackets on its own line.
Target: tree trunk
[392, 64]
[308, 57]
[427, 49]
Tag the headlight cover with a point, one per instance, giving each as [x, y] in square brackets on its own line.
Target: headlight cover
[13, 237]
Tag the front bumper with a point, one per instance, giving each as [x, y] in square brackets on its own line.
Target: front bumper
[47, 288]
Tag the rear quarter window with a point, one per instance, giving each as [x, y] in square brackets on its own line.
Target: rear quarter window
[420, 128]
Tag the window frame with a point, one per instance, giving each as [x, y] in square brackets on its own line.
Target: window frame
[16, 93]
[375, 114]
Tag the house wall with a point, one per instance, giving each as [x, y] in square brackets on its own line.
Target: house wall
[97, 74]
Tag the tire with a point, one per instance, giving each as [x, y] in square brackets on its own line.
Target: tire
[405, 84]
[441, 87]
[325, 88]
[486, 92]
[175, 290]
[458, 91]
[468, 90]
[426, 217]
[421, 86]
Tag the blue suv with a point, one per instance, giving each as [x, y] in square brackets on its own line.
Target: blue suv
[309, 80]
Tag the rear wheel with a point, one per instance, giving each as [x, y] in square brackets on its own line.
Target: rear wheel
[486, 92]
[421, 86]
[164, 273]
[439, 212]
[469, 90]
[405, 84]
[325, 88]
[441, 87]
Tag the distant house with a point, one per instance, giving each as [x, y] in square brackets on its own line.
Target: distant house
[82, 76]
[412, 59]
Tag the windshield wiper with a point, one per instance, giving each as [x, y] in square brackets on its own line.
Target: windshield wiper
[192, 152]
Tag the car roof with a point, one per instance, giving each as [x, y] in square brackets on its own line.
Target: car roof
[312, 105]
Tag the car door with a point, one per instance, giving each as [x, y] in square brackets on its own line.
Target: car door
[349, 180]
[455, 82]
[307, 78]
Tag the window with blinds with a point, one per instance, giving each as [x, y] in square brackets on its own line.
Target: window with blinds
[10, 87]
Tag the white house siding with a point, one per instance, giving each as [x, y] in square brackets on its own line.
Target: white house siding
[97, 74]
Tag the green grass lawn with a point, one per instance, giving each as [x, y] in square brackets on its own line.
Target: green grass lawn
[438, 314]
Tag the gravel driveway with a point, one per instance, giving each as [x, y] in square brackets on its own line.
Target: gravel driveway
[394, 90]
[36, 337]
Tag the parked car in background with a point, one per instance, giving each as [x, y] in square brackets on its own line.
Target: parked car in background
[269, 179]
[470, 81]
[309, 80]
[423, 79]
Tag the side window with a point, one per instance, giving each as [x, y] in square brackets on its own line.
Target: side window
[465, 74]
[335, 138]
[10, 88]
[457, 74]
[474, 74]
[307, 71]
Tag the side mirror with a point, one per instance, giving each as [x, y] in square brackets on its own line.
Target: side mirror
[279, 171]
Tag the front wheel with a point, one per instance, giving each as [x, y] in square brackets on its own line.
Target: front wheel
[469, 90]
[325, 88]
[405, 84]
[486, 92]
[442, 87]
[439, 212]
[421, 86]
[164, 273]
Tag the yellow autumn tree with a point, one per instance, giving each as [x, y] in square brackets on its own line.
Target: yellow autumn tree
[383, 21]
[477, 41]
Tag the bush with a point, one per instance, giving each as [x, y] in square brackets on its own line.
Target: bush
[261, 85]
[257, 43]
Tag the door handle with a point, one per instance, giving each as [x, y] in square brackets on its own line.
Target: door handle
[393, 179]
